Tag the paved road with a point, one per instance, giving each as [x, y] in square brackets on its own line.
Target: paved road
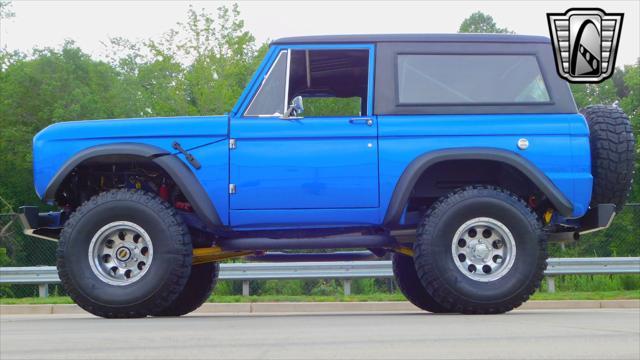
[557, 334]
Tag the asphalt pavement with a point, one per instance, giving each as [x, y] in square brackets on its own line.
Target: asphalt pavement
[525, 334]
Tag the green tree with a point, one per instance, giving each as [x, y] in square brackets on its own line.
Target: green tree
[631, 105]
[52, 86]
[479, 22]
[198, 68]
[225, 56]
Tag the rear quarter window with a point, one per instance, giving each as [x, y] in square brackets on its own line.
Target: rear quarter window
[468, 79]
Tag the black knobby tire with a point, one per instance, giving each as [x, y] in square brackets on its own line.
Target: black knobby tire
[201, 283]
[438, 271]
[166, 275]
[612, 154]
[407, 280]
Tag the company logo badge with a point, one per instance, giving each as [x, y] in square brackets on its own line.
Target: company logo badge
[585, 42]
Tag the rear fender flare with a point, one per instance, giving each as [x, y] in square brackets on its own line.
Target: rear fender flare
[418, 166]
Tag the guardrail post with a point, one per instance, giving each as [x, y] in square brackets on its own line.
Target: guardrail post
[346, 285]
[43, 290]
[245, 288]
[551, 284]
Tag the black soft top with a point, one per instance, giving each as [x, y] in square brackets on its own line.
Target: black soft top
[378, 38]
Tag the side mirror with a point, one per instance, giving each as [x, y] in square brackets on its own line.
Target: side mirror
[296, 108]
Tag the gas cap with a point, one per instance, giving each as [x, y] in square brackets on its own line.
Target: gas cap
[523, 144]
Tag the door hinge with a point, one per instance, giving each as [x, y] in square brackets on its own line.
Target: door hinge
[232, 188]
[232, 144]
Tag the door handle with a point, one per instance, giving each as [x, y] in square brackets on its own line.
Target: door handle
[364, 121]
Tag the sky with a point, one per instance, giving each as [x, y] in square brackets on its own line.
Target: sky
[92, 23]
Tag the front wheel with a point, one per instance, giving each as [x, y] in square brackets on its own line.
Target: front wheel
[124, 253]
[480, 250]
[196, 292]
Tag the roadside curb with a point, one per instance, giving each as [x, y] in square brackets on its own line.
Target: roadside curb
[323, 307]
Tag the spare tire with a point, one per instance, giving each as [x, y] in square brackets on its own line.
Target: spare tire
[612, 154]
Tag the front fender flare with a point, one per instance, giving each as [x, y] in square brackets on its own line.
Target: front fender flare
[418, 166]
[175, 168]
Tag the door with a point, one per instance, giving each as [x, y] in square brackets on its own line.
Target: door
[306, 164]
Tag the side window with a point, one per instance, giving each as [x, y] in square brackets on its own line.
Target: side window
[330, 82]
[270, 97]
[444, 79]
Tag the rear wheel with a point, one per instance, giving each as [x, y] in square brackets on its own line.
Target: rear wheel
[480, 250]
[407, 280]
[124, 253]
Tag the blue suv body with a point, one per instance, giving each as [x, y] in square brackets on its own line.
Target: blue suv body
[394, 126]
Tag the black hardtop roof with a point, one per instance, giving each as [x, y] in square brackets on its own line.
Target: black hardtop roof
[377, 38]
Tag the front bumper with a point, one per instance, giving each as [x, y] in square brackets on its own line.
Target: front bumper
[42, 225]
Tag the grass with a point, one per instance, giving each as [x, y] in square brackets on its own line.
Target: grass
[306, 298]
[36, 300]
[588, 295]
[582, 295]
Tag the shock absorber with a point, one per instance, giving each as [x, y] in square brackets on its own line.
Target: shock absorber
[163, 191]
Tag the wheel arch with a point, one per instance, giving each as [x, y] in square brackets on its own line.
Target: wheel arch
[421, 165]
[179, 172]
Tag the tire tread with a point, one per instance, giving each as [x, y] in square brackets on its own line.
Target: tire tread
[428, 274]
[178, 231]
[196, 292]
[612, 154]
[409, 284]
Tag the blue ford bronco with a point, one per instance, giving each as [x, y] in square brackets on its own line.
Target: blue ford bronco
[460, 156]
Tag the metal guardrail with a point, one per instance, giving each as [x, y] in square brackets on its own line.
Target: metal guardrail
[593, 266]
[345, 270]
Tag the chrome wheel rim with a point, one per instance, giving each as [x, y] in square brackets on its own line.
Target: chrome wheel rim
[120, 253]
[483, 249]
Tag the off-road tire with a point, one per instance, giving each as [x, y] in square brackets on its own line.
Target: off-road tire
[404, 272]
[201, 283]
[612, 154]
[438, 272]
[167, 273]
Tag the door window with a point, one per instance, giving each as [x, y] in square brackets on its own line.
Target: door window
[330, 82]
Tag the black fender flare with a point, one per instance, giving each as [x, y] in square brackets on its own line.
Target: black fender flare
[175, 168]
[418, 166]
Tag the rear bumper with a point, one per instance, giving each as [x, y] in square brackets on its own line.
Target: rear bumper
[597, 218]
[41, 225]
